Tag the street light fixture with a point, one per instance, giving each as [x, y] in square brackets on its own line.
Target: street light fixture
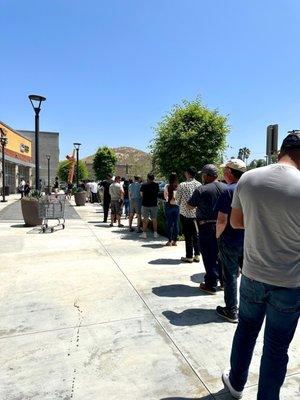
[48, 160]
[36, 102]
[3, 142]
[77, 146]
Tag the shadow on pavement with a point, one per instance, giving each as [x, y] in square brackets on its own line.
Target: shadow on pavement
[176, 290]
[153, 245]
[198, 278]
[163, 261]
[19, 226]
[209, 397]
[192, 316]
[223, 392]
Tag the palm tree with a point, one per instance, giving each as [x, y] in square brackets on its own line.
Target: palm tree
[244, 154]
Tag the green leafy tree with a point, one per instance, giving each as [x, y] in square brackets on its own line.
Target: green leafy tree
[257, 163]
[104, 163]
[191, 134]
[64, 168]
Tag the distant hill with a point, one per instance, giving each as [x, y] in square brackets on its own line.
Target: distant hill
[138, 162]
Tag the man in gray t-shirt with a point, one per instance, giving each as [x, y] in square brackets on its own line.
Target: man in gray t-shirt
[267, 204]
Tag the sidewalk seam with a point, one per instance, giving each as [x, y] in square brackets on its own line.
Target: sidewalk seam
[153, 315]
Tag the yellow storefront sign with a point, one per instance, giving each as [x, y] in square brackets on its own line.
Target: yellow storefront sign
[16, 143]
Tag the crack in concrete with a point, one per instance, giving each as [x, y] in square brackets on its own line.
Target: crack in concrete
[80, 319]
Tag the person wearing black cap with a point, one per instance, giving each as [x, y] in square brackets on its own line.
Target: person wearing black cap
[205, 198]
[267, 203]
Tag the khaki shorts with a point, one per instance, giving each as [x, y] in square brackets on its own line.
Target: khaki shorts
[135, 206]
[116, 207]
[149, 212]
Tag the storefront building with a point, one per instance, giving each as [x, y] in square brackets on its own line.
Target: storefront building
[18, 159]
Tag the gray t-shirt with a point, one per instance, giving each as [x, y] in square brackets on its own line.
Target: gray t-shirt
[270, 200]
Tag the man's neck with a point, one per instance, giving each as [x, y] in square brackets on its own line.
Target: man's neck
[286, 160]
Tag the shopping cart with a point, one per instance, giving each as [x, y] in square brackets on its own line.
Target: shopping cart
[52, 207]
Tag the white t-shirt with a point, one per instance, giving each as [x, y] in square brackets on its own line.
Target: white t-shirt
[93, 187]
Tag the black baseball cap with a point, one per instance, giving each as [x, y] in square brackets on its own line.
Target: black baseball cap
[292, 141]
[210, 169]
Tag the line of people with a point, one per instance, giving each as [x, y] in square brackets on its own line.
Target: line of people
[249, 223]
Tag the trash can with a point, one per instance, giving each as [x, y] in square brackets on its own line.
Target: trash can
[7, 190]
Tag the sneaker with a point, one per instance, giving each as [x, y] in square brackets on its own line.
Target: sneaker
[111, 224]
[155, 235]
[234, 393]
[231, 316]
[204, 288]
[196, 259]
[186, 260]
[168, 244]
[143, 235]
[120, 226]
[139, 230]
[174, 243]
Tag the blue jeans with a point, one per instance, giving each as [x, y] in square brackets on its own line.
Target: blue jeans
[172, 216]
[281, 307]
[230, 257]
[126, 206]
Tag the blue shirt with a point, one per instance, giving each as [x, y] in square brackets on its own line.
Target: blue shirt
[234, 237]
[134, 190]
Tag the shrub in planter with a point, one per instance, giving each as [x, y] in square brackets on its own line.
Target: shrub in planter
[30, 209]
[80, 197]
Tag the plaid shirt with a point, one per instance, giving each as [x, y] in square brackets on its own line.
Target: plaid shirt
[183, 195]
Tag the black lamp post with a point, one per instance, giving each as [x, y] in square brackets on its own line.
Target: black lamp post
[77, 146]
[3, 142]
[48, 160]
[36, 104]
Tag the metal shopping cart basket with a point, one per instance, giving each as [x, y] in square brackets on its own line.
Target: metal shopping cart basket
[52, 207]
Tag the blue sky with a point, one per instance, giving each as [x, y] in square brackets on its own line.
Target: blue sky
[111, 69]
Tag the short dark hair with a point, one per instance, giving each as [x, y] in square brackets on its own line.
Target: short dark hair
[137, 178]
[109, 175]
[192, 171]
[150, 176]
[237, 174]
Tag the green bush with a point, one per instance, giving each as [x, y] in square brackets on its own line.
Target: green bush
[64, 167]
[191, 134]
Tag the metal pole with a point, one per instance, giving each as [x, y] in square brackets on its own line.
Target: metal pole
[37, 155]
[3, 175]
[48, 175]
[77, 167]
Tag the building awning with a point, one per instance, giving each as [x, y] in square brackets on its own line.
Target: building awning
[17, 161]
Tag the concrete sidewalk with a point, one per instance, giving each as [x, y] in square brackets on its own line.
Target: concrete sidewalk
[11, 199]
[93, 312]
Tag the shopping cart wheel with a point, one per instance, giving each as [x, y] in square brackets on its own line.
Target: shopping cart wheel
[63, 226]
[43, 229]
[52, 230]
